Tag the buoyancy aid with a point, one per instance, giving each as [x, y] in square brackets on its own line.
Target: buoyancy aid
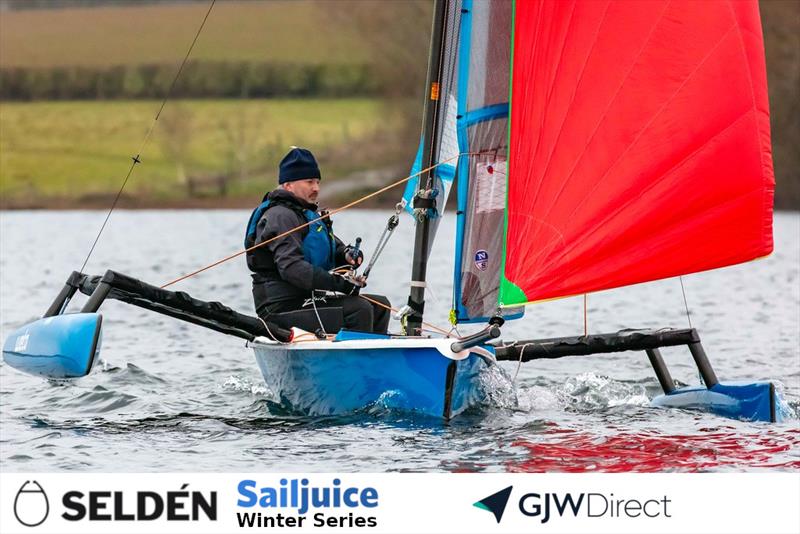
[319, 246]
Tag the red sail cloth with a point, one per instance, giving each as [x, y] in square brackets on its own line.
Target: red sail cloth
[639, 144]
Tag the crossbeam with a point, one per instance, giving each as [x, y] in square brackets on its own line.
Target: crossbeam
[177, 304]
[559, 347]
[648, 341]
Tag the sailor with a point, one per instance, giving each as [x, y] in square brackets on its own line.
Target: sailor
[293, 275]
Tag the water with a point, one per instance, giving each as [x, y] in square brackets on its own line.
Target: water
[170, 396]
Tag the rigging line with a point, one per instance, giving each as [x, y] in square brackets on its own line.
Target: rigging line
[137, 158]
[394, 310]
[519, 363]
[685, 303]
[296, 228]
[316, 312]
[585, 315]
[108, 215]
[271, 335]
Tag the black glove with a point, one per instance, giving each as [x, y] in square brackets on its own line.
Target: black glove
[322, 279]
[341, 285]
[356, 258]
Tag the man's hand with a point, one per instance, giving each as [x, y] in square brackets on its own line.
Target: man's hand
[359, 281]
[346, 285]
[353, 257]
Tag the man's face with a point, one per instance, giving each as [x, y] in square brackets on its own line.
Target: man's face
[307, 189]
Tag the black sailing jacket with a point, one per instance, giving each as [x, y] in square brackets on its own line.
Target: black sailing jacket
[280, 270]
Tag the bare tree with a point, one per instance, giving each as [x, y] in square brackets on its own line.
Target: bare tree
[246, 141]
[176, 130]
[781, 21]
[396, 35]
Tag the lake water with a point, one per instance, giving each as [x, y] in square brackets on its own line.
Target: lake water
[170, 396]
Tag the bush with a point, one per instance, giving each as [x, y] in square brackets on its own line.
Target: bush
[206, 79]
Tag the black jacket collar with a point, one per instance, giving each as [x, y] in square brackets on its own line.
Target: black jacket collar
[284, 196]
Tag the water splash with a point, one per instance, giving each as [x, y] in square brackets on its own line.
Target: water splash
[586, 392]
[788, 410]
[590, 392]
[497, 389]
[241, 384]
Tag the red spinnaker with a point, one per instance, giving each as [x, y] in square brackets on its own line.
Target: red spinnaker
[639, 144]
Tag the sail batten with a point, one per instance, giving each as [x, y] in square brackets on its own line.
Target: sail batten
[639, 144]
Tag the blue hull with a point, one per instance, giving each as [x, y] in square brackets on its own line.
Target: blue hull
[62, 346]
[753, 401]
[325, 378]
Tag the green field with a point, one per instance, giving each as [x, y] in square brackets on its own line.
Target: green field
[277, 31]
[79, 149]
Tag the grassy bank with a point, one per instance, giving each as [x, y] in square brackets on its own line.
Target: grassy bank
[282, 31]
[79, 151]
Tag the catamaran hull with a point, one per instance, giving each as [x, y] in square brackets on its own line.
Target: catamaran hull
[58, 347]
[325, 378]
[752, 401]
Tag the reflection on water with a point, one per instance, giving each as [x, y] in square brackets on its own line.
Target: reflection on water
[172, 396]
[577, 452]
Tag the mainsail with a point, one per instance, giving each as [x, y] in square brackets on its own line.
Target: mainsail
[639, 144]
[484, 68]
[472, 120]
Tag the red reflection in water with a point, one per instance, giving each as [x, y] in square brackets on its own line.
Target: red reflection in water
[573, 452]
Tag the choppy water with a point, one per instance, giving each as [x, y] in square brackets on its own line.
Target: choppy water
[172, 396]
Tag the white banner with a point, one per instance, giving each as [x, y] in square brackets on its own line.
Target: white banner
[728, 503]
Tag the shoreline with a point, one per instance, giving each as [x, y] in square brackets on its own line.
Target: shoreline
[228, 203]
[144, 203]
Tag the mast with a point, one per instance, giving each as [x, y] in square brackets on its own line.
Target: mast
[419, 265]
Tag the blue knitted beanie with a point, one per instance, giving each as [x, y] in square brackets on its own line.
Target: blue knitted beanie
[298, 164]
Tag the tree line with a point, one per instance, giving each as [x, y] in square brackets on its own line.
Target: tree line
[199, 79]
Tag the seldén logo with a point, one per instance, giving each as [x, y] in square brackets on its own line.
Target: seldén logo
[31, 506]
[495, 503]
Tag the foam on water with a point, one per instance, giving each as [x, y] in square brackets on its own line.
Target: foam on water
[242, 384]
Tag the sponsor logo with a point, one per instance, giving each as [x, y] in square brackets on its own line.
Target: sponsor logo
[547, 506]
[22, 342]
[181, 505]
[31, 506]
[495, 503]
[481, 260]
[291, 502]
[591, 505]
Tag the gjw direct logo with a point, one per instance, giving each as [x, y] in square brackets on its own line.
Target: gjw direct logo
[549, 505]
[32, 505]
[495, 503]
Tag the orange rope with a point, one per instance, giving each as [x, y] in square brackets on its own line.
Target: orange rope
[382, 305]
[337, 210]
[309, 337]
